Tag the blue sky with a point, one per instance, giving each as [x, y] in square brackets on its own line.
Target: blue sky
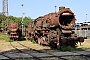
[36, 8]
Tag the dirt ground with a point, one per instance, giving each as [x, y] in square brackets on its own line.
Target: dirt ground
[85, 45]
[5, 46]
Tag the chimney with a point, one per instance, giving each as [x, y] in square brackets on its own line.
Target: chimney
[62, 7]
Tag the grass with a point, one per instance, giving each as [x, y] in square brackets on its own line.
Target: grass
[70, 48]
[85, 45]
[33, 41]
[4, 37]
[65, 47]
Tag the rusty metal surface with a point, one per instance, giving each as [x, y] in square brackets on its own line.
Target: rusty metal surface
[13, 26]
[14, 32]
[52, 27]
[57, 18]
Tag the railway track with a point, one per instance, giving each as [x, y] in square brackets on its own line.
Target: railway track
[34, 54]
[23, 51]
[36, 51]
[5, 57]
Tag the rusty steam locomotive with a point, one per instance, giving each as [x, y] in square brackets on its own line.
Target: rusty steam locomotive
[54, 29]
[14, 32]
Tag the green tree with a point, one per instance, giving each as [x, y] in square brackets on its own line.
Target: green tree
[0, 19]
[27, 20]
[18, 20]
[10, 19]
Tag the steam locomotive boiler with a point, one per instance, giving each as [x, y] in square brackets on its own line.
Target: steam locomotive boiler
[13, 31]
[54, 29]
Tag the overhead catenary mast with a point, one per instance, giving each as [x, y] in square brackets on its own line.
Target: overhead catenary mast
[22, 19]
[86, 18]
[55, 8]
[4, 15]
